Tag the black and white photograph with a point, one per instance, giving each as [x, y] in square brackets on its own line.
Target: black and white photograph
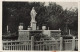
[39, 26]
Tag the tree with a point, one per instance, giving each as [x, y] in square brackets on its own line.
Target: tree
[70, 18]
[52, 16]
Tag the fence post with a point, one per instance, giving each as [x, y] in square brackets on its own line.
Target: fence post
[73, 43]
[61, 43]
[32, 42]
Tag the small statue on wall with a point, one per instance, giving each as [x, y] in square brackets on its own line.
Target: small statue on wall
[21, 26]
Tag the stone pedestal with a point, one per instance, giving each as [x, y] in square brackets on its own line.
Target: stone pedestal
[33, 25]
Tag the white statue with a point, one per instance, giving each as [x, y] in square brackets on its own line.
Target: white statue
[33, 15]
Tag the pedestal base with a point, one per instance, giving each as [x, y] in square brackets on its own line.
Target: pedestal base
[33, 25]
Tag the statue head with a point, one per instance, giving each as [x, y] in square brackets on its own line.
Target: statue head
[33, 8]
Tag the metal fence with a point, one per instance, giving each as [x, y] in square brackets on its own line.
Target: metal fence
[61, 44]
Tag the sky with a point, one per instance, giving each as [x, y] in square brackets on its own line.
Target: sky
[67, 5]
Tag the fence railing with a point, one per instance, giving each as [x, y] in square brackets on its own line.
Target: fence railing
[61, 44]
[17, 45]
[47, 45]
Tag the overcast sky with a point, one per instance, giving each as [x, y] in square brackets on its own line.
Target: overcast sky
[67, 5]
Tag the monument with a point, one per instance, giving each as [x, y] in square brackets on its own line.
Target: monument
[33, 22]
[33, 30]
[25, 34]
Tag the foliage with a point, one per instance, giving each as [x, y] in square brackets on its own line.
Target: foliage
[53, 16]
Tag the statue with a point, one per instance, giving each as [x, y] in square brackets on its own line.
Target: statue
[33, 22]
[33, 15]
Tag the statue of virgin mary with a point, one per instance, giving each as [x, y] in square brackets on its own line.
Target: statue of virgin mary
[33, 15]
